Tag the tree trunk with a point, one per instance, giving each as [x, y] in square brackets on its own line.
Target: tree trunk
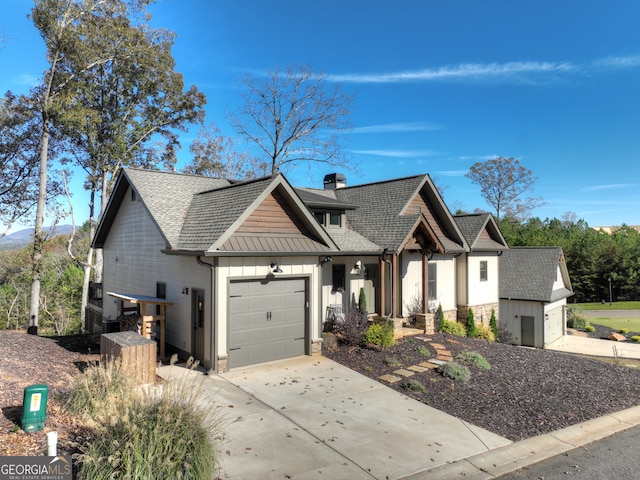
[103, 205]
[38, 234]
[88, 264]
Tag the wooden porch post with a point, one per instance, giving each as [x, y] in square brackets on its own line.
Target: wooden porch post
[383, 286]
[425, 282]
[395, 287]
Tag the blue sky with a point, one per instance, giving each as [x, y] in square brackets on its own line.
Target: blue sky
[438, 85]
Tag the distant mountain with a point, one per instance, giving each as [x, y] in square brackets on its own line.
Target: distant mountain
[22, 238]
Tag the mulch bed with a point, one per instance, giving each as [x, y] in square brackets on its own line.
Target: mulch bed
[29, 360]
[526, 392]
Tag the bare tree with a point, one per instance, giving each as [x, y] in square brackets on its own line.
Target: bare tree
[503, 182]
[215, 155]
[295, 117]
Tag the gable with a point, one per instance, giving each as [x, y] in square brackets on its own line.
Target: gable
[273, 226]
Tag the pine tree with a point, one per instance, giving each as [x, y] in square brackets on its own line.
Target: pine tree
[493, 323]
[471, 324]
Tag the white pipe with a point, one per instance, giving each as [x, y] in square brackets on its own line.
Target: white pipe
[52, 444]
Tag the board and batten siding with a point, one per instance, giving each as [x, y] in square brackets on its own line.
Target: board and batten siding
[254, 268]
[512, 310]
[445, 280]
[134, 263]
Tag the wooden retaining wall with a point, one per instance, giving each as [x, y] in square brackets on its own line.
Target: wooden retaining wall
[137, 354]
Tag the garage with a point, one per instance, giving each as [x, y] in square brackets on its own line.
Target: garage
[554, 322]
[267, 320]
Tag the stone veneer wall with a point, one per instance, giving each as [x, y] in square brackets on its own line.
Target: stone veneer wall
[481, 313]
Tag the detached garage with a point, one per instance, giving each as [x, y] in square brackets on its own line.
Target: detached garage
[268, 320]
[534, 287]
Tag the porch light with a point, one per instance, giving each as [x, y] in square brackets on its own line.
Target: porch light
[276, 268]
[326, 259]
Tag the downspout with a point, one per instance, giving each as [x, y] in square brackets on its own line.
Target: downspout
[214, 317]
[388, 262]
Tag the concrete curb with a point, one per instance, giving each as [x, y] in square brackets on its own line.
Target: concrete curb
[503, 460]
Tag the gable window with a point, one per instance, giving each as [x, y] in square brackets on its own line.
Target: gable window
[338, 278]
[417, 209]
[432, 290]
[335, 219]
[321, 218]
[483, 271]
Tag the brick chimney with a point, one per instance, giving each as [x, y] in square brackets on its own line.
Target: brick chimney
[334, 181]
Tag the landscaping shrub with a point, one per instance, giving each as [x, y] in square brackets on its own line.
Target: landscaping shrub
[392, 362]
[624, 331]
[453, 328]
[379, 334]
[165, 433]
[504, 335]
[484, 332]
[471, 324]
[473, 358]
[414, 386]
[424, 351]
[439, 320]
[455, 371]
[493, 323]
[350, 331]
[575, 319]
[635, 338]
[590, 328]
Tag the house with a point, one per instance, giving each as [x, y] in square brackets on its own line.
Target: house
[534, 287]
[251, 269]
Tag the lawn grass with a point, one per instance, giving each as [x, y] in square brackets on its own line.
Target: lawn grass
[631, 324]
[606, 306]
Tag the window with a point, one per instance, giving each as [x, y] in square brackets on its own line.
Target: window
[432, 291]
[161, 292]
[483, 271]
[417, 209]
[335, 219]
[338, 278]
[320, 217]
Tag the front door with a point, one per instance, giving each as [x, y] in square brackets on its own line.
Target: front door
[371, 274]
[197, 319]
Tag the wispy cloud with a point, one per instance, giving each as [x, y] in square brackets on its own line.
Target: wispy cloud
[452, 173]
[398, 128]
[397, 153]
[520, 72]
[612, 186]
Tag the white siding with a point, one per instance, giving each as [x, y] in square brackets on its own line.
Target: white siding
[411, 275]
[483, 292]
[446, 281]
[134, 262]
[354, 280]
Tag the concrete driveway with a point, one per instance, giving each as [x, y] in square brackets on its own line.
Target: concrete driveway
[310, 418]
[595, 347]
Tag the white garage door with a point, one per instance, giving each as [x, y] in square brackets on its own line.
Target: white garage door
[553, 324]
[267, 320]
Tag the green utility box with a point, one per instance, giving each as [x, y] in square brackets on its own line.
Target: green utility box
[34, 407]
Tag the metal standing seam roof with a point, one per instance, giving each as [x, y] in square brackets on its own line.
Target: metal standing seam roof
[529, 273]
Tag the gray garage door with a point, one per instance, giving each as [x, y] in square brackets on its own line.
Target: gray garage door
[267, 320]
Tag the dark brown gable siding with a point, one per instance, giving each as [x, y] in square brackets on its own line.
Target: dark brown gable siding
[274, 215]
[418, 201]
[484, 235]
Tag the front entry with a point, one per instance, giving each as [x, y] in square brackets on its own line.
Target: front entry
[267, 320]
[197, 320]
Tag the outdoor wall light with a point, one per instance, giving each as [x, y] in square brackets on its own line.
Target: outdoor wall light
[185, 291]
[326, 259]
[276, 268]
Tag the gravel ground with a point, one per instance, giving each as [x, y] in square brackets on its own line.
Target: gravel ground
[526, 392]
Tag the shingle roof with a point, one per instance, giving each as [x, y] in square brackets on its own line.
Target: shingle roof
[481, 232]
[379, 208]
[212, 213]
[529, 273]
